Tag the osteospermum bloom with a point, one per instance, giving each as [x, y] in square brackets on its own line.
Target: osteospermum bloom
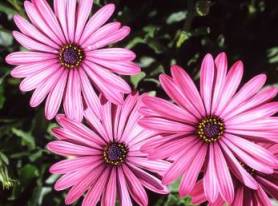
[267, 187]
[212, 131]
[105, 160]
[66, 59]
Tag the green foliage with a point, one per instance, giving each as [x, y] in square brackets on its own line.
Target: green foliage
[163, 33]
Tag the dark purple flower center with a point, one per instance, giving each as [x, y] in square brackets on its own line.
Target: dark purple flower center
[71, 56]
[210, 129]
[115, 153]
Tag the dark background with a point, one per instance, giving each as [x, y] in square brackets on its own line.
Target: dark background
[164, 32]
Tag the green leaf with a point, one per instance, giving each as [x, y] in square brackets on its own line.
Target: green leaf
[26, 137]
[135, 80]
[182, 37]
[176, 17]
[2, 96]
[27, 173]
[203, 7]
[6, 38]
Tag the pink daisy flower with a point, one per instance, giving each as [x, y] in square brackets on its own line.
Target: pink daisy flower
[104, 159]
[212, 131]
[267, 186]
[66, 60]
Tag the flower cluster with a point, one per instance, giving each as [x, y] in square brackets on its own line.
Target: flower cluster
[220, 139]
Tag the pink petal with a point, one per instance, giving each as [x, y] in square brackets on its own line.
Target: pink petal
[145, 176]
[270, 187]
[109, 92]
[167, 109]
[73, 104]
[32, 82]
[111, 78]
[265, 110]
[188, 87]
[254, 150]
[84, 10]
[135, 188]
[123, 116]
[60, 7]
[122, 187]
[248, 159]
[54, 99]
[232, 82]
[176, 94]
[72, 178]
[119, 67]
[111, 189]
[102, 33]
[191, 175]
[72, 165]
[80, 130]
[27, 57]
[39, 22]
[198, 195]
[246, 92]
[89, 93]
[237, 169]
[239, 197]
[157, 166]
[44, 88]
[163, 125]
[226, 186]
[263, 96]
[96, 124]
[31, 44]
[47, 14]
[107, 120]
[31, 69]
[94, 194]
[221, 65]
[111, 39]
[207, 81]
[68, 135]
[66, 149]
[170, 148]
[71, 18]
[113, 54]
[31, 31]
[211, 183]
[181, 164]
[262, 197]
[85, 184]
[96, 21]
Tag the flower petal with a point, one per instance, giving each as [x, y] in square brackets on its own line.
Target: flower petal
[188, 87]
[73, 109]
[232, 82]
[112, 54]
[31, 31]
[207, 81]
[96, 21]
[123, 190]
[84, 10]
[27, 57]
[54, 99]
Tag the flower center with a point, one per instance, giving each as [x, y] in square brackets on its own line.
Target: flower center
[115, 153]
[71, 56]
[210, 129]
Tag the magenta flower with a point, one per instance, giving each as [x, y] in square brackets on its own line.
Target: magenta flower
[267, 186]
[105, 159]
[66, 59]
[211, 132]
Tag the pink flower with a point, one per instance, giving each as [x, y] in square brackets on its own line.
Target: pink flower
[66, 59]
[211, 132]
[105, 158]
[267, 185]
